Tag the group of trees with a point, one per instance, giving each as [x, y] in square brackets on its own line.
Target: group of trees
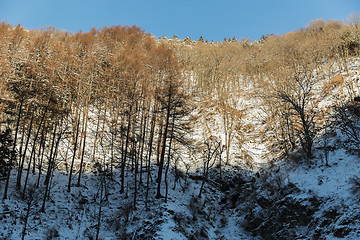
[118, 98]
[280, 74]
[112, 97]
[299, 62]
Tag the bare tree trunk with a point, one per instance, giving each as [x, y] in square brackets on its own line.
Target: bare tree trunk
[21, 150]
[43, 143]
[113, 133]
[122, 134]
[37, 134]
[159, 142]
[143, 138]
[168, 160]
[48, 173]
[135, 177]
[22, 156]
[96, 134]
[212, 148]
[123, 161]
[12, 158]
[32, 155]
[150, 147]
[104, 121]
[52, 163]
[141, 144]
[162, 157]
[85, 118]
[74, 154]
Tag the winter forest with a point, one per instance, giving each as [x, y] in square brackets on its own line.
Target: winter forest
[115, 134]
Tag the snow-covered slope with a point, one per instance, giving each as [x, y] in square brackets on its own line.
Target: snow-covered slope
[287, 199]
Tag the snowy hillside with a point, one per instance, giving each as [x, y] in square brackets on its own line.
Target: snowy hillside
[114, 134]
[288, 199]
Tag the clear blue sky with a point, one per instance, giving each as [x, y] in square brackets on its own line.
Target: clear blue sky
[212, 19]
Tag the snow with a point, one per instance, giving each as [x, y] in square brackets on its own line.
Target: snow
[332, 181]
[74, 214]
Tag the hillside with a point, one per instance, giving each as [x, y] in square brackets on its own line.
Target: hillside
[113, 134]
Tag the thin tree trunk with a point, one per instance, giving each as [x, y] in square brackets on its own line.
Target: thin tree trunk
[74, 154]
[162, 157]
[48, 173]
[168, 161]
[32, 155]
[152, 130]
[122, 135]
[123, 161]
[209, 157]
[103, 125]
[53, 162]
[12, 158]
[18, 181]
[96, 134]
[38, 132]
[83, 150]
[159, 142]
[143, 138]
[42, 142]
[138, 152]
[113, 133]
[20, 152]
[135, 178]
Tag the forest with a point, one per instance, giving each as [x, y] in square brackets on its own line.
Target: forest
[146, 116]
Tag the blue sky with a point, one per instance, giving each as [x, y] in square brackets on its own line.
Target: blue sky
[212, 19]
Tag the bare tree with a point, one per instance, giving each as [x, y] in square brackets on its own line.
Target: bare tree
[31, 199]
[210, 152]
[298, 98]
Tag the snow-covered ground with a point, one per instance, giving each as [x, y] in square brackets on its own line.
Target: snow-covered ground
[306, 200]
